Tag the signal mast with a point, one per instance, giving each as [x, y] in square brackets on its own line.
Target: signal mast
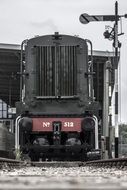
[113, 34]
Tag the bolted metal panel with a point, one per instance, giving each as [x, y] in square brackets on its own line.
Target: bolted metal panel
[56, 70]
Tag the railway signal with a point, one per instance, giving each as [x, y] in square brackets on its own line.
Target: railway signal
[85, 19]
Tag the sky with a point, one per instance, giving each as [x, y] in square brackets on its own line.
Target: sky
[23, 19]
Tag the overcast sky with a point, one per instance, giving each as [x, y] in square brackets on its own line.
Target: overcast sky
[21, 19]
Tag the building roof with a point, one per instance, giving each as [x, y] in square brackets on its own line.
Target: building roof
[95, 52]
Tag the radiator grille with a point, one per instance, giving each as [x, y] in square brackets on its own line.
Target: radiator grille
[56, 70]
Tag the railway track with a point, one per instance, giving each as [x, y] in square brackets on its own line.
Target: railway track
[57, 164]
[118, 162]
[63, 175]
[5, 162]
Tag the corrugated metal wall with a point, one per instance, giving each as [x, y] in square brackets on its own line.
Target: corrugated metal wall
[9, 80]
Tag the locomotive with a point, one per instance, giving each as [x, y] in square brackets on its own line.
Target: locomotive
[57, 116]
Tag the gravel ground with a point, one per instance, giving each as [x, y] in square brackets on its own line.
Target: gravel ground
[87, 178]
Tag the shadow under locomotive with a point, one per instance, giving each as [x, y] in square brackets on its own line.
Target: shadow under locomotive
[57, 114]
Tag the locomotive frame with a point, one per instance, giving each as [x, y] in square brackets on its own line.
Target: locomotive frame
[57, 117]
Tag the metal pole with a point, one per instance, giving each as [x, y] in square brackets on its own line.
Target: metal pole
[110, 110]
[21, 68]
[106, 108]
[116, 79]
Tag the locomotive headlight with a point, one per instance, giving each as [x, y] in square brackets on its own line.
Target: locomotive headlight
[26, 124]
[88, 124]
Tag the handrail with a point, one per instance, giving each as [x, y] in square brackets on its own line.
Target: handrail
[90, 72]
[21, 67]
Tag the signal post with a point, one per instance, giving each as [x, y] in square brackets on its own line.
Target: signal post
[113, 34]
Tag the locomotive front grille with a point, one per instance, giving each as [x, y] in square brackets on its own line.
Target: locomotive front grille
[56, 70]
